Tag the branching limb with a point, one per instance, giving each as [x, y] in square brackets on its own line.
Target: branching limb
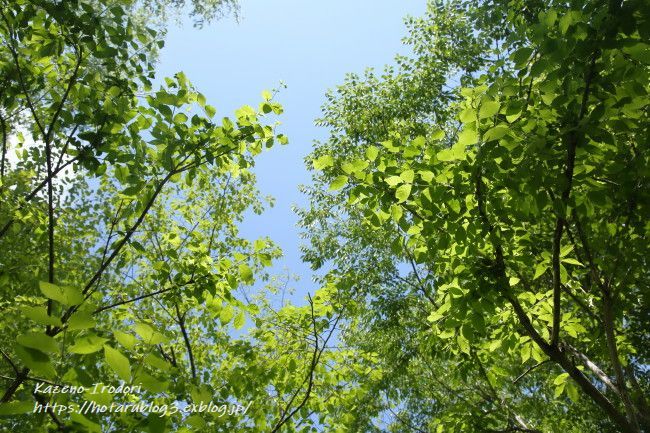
[608, 322]
[285, 415]
[600, 374]
[552, 351]
[309, 378]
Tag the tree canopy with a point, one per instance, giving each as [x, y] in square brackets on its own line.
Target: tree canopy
[122, 261]
[486, 202]
[477, 224]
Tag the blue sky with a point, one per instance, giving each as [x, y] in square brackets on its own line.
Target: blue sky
[308, 45]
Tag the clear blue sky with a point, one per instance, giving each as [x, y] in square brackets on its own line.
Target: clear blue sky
[310, 45]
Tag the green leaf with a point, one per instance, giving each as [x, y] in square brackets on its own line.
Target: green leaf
[35, 360]
[118, 363]
[390, 146]
[514, 111]
[561, 378]
[151, 383]
[566, 250]
[438, 134]
[639, 52]
[454, 205]
[156, 362]
[426, 175]
[149, 335]
[494, 345]
[246, 273]
[88, 344]
[39, 315]
[419, 141]
[396, 212]
[323, 162]
[402, 193]
[521, 56]
[17, 407]
[210, 111]
[338, 183]
[526, 351]
[540, 269]
[196, 422]
[468, 115]
[467, 137]
[127, 340]
[240, 320]
[200, 98]
[63, 295]
[440, 312]
[488, 109]
[571, 261]
[572, 392]
[90, 426]
[564, 275]
[180, 118]
[463, 343]
[495, 133]
[452, 154]
[81, 320]
[393, 180]
[39, 341]
[371, 153]
[226, 314]
[407, 176]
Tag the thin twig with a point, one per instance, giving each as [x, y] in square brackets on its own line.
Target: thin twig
[529, 369]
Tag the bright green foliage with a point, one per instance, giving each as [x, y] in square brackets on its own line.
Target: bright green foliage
[486, 202]
[121, 255]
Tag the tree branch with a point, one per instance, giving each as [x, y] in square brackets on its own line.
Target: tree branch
[600, 374]
[566, 193]
[552, 351]
[608, 324]
[318, 351]
[137, 298]
[3, 124]
[50, 191]
[529, 369]
[309, 377]
[186, 339]
[41, 400]
[557, 283]
[8, 359]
